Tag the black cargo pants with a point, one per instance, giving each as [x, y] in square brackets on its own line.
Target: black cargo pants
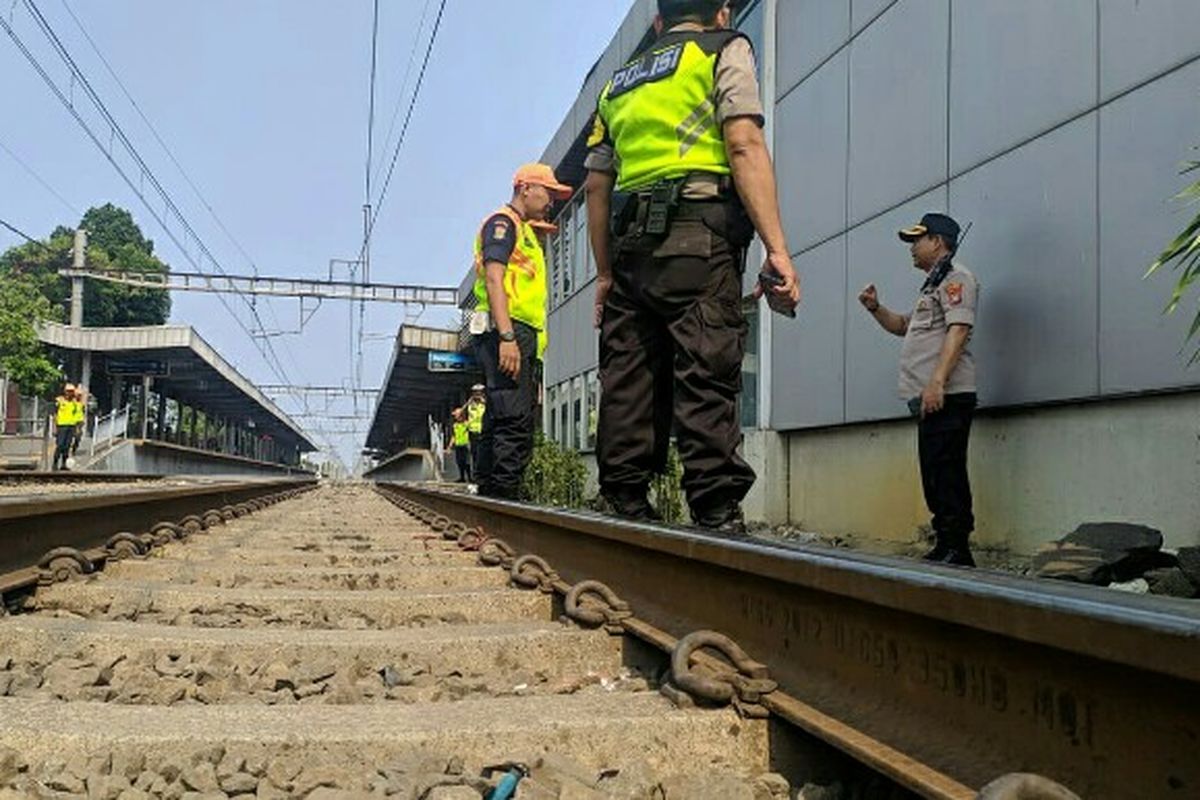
[506, 444]
[671, 346]
[942, 440]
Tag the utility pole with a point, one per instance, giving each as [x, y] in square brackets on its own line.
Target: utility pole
[79, 254]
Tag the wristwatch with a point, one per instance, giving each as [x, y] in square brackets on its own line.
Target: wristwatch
[508, 336]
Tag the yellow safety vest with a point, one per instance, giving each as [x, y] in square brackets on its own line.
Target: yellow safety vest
[475, 413]
[79, 411]
[659, 111]
[64, 411]
[525, 278]
[462, 437]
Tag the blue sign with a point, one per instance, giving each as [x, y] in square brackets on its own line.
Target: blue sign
[450, 362]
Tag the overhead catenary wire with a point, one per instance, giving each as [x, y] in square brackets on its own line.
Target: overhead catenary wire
[23, 235]
[266, 348]
[41, 181]
[378, 205]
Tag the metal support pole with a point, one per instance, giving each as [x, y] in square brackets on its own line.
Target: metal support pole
[85, 373]
[79, 253]
[144, 406]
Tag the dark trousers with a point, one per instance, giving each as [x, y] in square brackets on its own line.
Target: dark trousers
[671, 347]
[942, 440]
[506, 444]
[462, 457]
[63, 441]
[474, 437]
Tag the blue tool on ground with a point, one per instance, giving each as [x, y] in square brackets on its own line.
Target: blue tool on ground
[507, 786]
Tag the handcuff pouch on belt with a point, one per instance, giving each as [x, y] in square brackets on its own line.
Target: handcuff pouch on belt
[652, 211]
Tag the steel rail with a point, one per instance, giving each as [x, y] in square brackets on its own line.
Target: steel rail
[967, 675]
[31, 526]
[25, 477]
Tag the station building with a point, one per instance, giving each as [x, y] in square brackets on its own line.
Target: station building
[1059, 131]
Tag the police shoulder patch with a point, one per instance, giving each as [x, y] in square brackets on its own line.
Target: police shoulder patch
[954, 293]
[654, 66]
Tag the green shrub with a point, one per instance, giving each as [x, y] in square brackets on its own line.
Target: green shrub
[555, 476]
[666, 490]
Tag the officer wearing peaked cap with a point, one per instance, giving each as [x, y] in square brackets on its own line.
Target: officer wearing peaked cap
[678, 135]
[937, 377]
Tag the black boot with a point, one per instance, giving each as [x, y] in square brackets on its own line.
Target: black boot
[940, 547]
[958, 552]
[726, 519]
[631, 504]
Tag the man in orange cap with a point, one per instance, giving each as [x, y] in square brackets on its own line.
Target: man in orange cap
[509, 319]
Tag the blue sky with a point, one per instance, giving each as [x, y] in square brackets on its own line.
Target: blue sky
[264, 103]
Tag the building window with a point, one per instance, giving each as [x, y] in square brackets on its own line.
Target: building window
[748, 402]
[551, 404]
[565, 239]
[581, 266]
[564, 423]
[578, 431]
[554, 258]
[593, 407]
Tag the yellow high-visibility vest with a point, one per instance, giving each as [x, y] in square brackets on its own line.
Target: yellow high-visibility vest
[660, 114]
[462, 436]
[475, 413]
[524, 279]
[64, 411]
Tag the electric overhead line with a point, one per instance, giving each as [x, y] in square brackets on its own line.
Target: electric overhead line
[378, 205]
[24, 235]
[266, 348]
[33, 174]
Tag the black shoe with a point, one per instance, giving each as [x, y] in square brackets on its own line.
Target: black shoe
[957, 557]
[726, 520]
[940, 548]
[631, 506]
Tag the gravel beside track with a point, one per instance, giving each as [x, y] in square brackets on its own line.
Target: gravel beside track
[330, 646]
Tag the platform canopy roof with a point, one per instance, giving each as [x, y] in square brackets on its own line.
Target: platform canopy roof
[186, 368]
[413, 391]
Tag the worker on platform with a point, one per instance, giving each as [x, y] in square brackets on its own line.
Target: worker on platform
[460, 439]
[509, 324]
[66, 415]
[476, 406]
[937, 377]
[678, 134]
[80, 409]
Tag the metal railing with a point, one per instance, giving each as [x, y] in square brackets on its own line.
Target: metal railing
[108, 428]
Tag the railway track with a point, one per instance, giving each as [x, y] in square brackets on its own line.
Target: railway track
[351, 643]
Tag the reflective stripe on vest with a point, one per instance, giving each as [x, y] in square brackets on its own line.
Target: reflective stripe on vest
[462, 436]
[524, 279]
[660, 111]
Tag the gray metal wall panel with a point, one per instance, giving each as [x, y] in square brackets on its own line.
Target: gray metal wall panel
[636, 23]
[1048, 74]
[898, 106]
[807, 353]
[811, 31]
[876, 255]
[1034, 252]
[555, 357]
[811, 156]
[863, 11]
[1140, 38]
[1139, 172]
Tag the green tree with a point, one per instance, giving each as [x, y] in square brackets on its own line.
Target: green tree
[114, 242]
[22, 357]
[1184, 255]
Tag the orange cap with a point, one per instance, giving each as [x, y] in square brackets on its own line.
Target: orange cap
[542, 175]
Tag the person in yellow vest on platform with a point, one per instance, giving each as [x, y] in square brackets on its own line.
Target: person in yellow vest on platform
[79, 407]
[66, 416]
[460, 439]
[508, 322]
[475, 408]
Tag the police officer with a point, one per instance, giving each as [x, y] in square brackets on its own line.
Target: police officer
[937, 378]
[509, 322]
[678, 134]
